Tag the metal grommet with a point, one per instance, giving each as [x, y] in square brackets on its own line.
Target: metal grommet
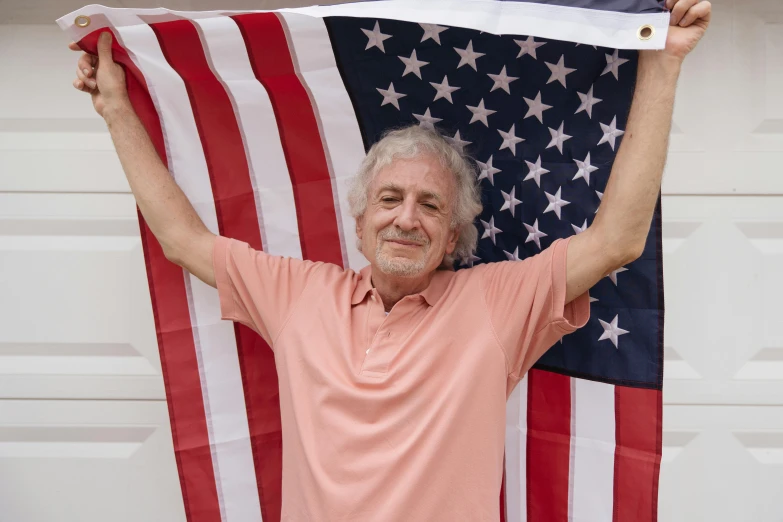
[82, 20]
[645, 32]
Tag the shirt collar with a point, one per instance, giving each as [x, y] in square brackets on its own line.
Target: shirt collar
[431, 294]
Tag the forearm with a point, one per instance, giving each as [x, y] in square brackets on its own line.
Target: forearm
[166, 209]
[631, 194]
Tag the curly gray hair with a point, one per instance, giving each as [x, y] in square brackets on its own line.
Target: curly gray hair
[410, 142]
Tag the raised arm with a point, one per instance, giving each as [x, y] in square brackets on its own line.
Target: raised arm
[185, 239]
[619, 232]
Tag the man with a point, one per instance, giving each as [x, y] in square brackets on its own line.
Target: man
[393, 381]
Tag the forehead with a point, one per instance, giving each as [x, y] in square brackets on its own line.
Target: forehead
[420, 174]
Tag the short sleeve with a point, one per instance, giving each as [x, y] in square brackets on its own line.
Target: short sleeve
[257, 289]
[526, 305]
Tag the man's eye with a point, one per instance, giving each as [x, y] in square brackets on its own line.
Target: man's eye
[431, 206]
[388, 200]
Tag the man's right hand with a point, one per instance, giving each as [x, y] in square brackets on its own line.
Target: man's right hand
[101, 76]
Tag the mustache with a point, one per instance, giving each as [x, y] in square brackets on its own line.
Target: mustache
[395, 233]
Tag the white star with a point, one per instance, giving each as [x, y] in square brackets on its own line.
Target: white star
[502, 80]
[390, 96]
[444, 89]
[584, 169]
[613, 63]
[412, 64]
[510, 201]
[612, 331]
[426, 120]
[488, 171]
[513, 256]
[528, 46]
[536, 107]
[510, 140]
[559, 71]
[480, 113]
[592, 299]
[468, 56]
[490, 230]
[611, 132]
[613, 275]
[579, 230]
[593, 46]
[535, 171]
[375, 38]
[458, 142]
[558, 138]
[534, 234]
[472, 258]
[600, 198]
[432, 31]
[555, 202]
[588, 100]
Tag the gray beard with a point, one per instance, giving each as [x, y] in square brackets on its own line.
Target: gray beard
[398, 266]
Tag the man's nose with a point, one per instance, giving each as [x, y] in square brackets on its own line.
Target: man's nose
[407, 218]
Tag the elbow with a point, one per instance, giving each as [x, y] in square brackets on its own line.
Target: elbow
[629, 253]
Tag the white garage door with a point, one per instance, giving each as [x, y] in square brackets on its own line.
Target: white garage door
[84, 432]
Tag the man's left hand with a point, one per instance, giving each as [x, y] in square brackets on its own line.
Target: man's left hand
[689, 21]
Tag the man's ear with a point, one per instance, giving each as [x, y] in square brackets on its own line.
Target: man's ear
[359, 226]
[451, 242]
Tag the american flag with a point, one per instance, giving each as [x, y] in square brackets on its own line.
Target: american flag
[262, 117]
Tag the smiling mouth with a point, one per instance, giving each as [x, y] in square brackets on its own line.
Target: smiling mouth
[402, 242]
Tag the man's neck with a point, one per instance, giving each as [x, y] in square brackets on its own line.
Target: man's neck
[393, 288]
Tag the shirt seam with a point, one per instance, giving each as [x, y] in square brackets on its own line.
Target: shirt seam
[293, 309]
[492, 326]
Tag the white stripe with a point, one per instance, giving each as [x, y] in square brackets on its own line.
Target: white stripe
[215, 342]
[592, 451]
[314, 60]
[589, 26]
[274, 194]
[516, 453]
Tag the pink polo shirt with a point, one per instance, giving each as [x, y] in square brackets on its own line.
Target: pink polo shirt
[399, 417]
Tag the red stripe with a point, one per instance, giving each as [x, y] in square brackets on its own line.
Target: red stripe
[232, 189]
[268, 50]
[638, 415]
[548, 446]
[172, 323]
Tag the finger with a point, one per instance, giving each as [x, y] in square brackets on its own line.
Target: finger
[669, 4]
[680, 8]
[104, 47]
[700, 11]
[87, 62]
[78, 84]
[73, 46]
[81, 74]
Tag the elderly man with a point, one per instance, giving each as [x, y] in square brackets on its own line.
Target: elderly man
[393, 380]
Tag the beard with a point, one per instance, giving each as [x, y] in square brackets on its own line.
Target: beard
[400, 266]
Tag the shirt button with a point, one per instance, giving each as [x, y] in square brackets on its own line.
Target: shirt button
[367, 351]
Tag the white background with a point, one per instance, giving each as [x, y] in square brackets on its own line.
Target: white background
[84, 432]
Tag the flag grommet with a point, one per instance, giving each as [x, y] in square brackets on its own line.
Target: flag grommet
[82, 21]
[646, 32]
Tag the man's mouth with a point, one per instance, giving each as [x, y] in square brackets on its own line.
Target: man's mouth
[404, 242]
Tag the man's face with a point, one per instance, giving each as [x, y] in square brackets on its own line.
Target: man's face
[406, 228]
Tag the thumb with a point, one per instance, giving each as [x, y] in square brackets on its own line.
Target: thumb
[104, 47]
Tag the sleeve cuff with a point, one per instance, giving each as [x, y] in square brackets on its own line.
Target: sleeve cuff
[220, 253]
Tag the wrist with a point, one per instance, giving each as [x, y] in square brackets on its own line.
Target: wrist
[660, 60]
[117, 110]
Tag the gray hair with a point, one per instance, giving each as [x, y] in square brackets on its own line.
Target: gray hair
[413, 141]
